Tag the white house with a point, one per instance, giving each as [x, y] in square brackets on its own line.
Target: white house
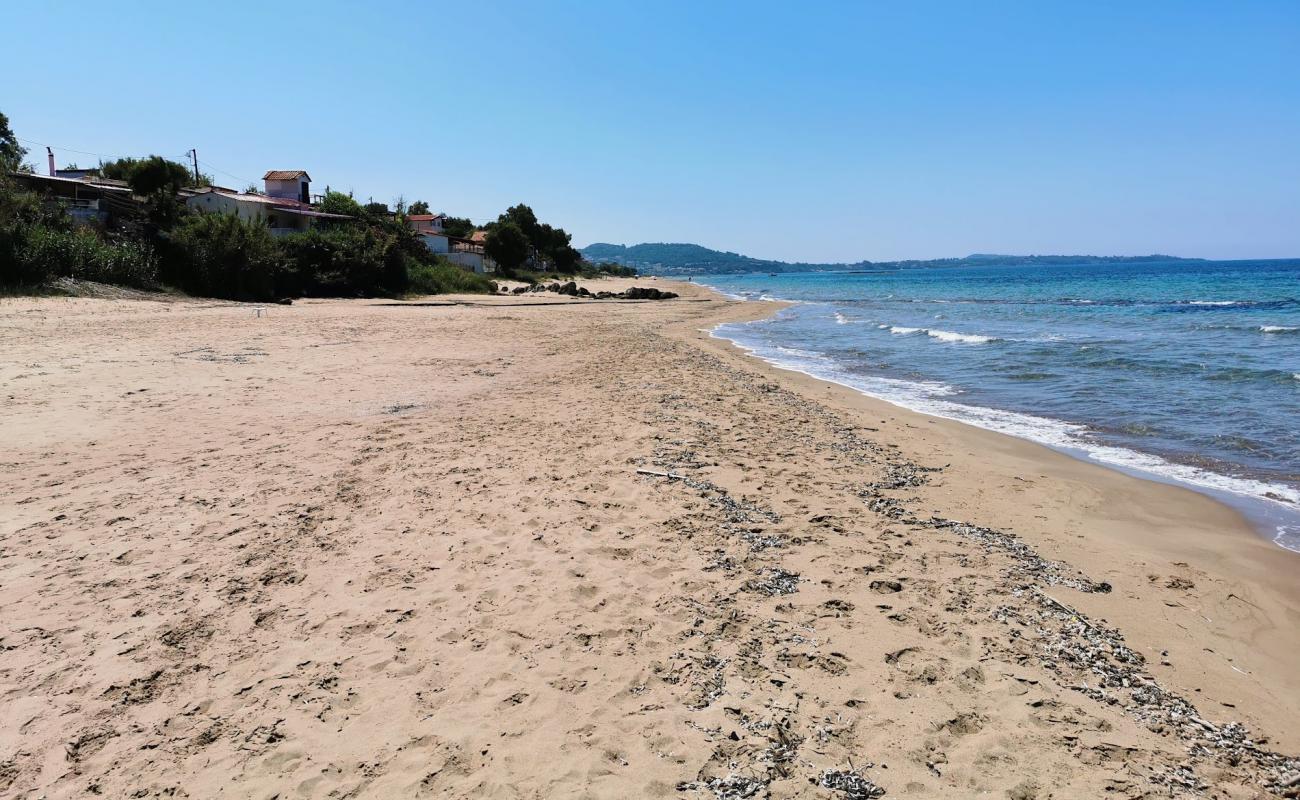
[469, 253]
[436, 242]
[426, 223]
[429, 228]
[288, 184]
[285, 208]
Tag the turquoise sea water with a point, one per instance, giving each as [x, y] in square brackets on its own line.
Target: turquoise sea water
[1186, 372]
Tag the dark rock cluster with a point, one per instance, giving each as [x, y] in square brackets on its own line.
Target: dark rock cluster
[572, 289]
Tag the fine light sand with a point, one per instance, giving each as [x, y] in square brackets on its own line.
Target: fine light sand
[358, 548]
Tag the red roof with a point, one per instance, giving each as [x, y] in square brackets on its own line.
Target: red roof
[285, 175]
[425, 217]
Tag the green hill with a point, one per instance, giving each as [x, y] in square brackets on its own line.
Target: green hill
[676, 258]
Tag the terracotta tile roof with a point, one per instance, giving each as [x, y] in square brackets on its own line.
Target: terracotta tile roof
[425, 217]
[285, 175]
[478, 236]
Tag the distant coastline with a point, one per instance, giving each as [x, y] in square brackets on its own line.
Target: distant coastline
[669, 258]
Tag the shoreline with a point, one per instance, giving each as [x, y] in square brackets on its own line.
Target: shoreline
[491, 547]
[1161, 524]
[1270, 517]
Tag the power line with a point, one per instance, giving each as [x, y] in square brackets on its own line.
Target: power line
[66, 149]
[204, 164]
[209, 165]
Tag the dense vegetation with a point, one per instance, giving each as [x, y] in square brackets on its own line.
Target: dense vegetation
[39, 244]
[677, 258]
[373, 254]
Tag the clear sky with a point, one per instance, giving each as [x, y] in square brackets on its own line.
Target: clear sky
[794, 130]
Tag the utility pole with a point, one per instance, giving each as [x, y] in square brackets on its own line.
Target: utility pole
[195, 153]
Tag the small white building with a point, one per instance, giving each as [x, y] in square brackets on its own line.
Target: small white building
[470, 253]
[465, 253]
[288, 184]
[429, 228]
[426, 223]
[436, 242]
[285, 208]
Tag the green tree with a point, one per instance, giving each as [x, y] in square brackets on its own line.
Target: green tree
[377, 209]
[524, 217]
[553, 245]
[156, 175]
[507, 245]
[11, 153]
[339, 203]
[155, 179]
[457, 226]
[418, 207]
[156, 169]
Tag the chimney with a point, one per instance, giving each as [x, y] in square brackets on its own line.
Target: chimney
[50, 154]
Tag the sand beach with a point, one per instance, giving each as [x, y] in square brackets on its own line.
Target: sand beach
[537, 547]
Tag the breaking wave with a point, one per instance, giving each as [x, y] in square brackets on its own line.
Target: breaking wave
[943, 336]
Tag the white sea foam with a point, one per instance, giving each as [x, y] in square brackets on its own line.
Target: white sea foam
[841, 319]
[930, 397]
[728, 294]
[964, 338]
[1213, 302]
[798, 353]
[1278, 329]
[749, 295]
[943, 336]
[1288, 536]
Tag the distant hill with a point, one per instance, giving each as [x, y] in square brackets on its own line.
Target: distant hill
[663, 258]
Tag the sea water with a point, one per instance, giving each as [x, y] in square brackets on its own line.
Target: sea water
[1185, 372]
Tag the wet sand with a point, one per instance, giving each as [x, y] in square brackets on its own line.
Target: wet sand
[355, 548]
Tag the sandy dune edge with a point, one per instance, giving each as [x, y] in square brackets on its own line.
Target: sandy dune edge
[365, 549]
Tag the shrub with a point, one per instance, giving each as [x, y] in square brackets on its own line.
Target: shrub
[220, 255]
[41, 254]
[350, 260]
[443, 277]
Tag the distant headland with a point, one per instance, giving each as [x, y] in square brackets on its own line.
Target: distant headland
[692, 259]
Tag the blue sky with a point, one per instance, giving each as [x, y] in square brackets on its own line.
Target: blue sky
[799, 131]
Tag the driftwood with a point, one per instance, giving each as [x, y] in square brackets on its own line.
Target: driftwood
[669, 475]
